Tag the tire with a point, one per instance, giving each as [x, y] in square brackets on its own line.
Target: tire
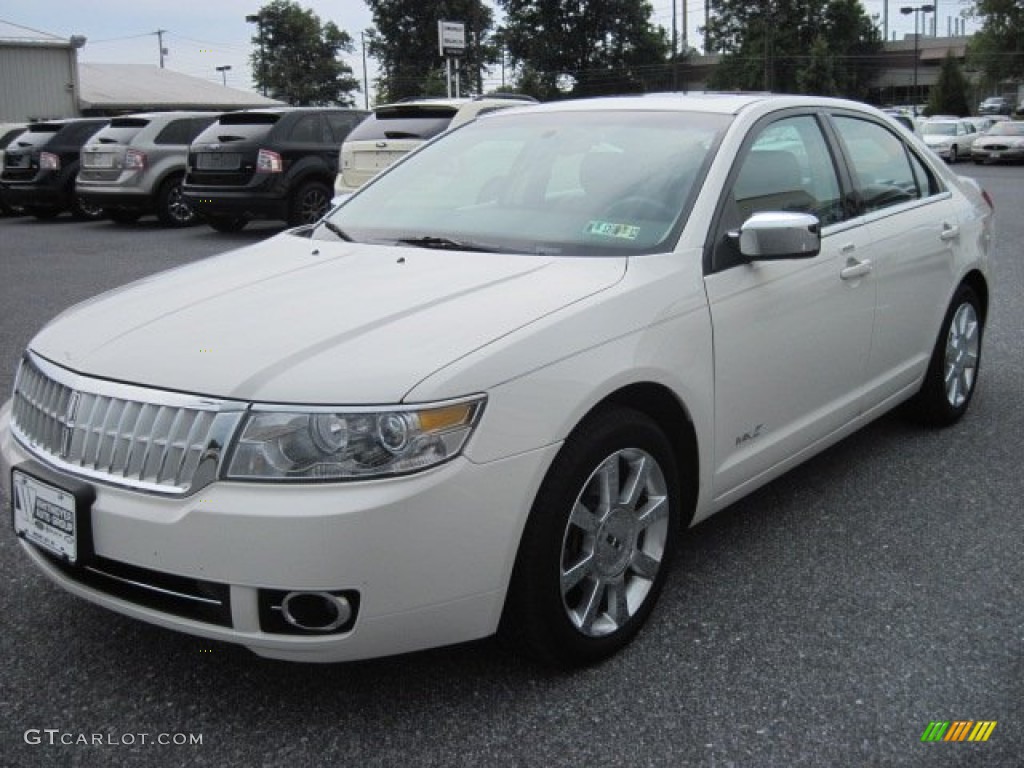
[309, 204]
[592, 561]
[121, 216]
[171, 208]
[84, 211]
[953, 155]
[952, 374]
[227, 223]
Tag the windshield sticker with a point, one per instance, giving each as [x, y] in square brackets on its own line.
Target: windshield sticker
[611, 229]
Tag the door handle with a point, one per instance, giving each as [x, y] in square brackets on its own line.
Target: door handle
[855, 268]
[949, 232]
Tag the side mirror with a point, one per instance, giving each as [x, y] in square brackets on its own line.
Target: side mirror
[776, 235]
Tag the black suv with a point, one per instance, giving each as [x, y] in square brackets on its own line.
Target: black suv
[266, 164]
[40, 167]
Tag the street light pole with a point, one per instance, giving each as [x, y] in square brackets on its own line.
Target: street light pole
[224, 73]
[917, 11]
[366, 82]
[257, 19]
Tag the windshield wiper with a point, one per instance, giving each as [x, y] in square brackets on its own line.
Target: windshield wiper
[445, 244]
[335, 229]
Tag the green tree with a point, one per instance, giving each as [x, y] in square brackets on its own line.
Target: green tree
[585, 47]
[771, 45]
[820, 75]
[998, 47]
[297, 58]
[404, 42]
[949, 94]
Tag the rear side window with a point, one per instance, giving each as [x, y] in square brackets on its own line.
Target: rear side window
[183, 131]
[342, 124]
[77, 134]
[403, 122]
[307, 130]
[885, 171]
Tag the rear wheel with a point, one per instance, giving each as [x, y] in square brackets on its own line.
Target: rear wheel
[598, 542]
[309, 203]
[953, 155]
[171, 207]
[952, 373]
[227, 223]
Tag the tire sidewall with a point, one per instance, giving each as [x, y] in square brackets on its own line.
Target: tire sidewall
[931, 405]
[535, 597]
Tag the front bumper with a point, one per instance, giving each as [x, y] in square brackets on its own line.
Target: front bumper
[986, 154]
[429, 555]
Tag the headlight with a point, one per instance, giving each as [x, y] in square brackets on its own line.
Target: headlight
[285, 443]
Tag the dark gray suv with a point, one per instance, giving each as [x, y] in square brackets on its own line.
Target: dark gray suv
[136, 164]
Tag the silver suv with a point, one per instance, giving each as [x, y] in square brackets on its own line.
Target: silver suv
[135, 166]
[396, 129]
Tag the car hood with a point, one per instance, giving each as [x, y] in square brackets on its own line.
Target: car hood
[937, 139]
[295, 320]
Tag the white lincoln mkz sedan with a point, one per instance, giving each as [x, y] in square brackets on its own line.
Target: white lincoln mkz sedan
[491, 389]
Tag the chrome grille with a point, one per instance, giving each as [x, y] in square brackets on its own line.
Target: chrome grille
[127, 435]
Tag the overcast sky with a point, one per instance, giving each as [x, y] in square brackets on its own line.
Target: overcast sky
[204, 34]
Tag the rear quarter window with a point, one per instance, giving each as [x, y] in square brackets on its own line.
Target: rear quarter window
[182, 132]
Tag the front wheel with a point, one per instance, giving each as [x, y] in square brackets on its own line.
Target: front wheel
[952, 374]
[598, 542]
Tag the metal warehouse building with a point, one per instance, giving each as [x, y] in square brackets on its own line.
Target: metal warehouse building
[40, 78]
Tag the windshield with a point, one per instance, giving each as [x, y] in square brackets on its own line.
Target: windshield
[572, 183]
[938, 129]
[1007, 129]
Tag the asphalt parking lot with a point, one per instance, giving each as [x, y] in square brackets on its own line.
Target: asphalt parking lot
[825, 620]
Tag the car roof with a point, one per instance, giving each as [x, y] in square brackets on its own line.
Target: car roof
[730, 103]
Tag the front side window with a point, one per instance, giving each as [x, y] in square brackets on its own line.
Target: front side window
[885, 171]
[789, 168]
[565, 183]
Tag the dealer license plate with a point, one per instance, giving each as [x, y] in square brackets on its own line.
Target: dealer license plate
[45, 515]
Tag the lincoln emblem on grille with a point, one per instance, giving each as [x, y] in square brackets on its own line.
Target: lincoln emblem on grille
[68, 430]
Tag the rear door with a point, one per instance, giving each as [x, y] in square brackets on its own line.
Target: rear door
[913, 222]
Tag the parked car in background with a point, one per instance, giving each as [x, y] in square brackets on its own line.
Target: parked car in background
[492, 387]
[996, 105]
[274, 163]
[8, 131]
[950, 139]
[395, 129]
[1003, 142]
[40, 166]
[135, 166]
